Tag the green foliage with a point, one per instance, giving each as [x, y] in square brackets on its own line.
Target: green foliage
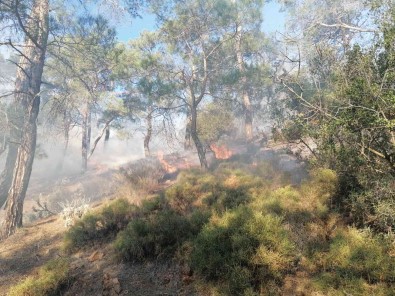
[241, 249]
[214, 121]
[375, 206]
[160, 227]
[332, 284]
[357, 263]
[50, 280]
[97, 226]
[211, 221]
[359, 254]
[163, 224]
[155, 235]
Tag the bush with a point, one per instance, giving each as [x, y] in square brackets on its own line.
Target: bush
[357, 253]
[374, 207]
[332, 284]
[242, 249]
[96, 226]
[160, 226]
[155, 236]
[51, 279]
[143, 174]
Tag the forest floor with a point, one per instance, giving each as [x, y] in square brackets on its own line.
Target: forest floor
[96, 271]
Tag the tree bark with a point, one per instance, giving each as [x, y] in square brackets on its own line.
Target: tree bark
[15, 125]
[148, 135]
[194, 134]
[27, 93]
[66, 128]
[188, 138]
[86, 136]
[6, 175]
[107, 135]
[248, 132]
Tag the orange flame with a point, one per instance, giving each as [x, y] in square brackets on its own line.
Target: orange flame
[166, 165]
[221, 152]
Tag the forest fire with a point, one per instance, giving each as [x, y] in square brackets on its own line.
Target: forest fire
[221, 152]
[169, 168]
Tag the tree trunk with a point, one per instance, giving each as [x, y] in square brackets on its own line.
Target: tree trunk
[148, 135]
[107, 135]
[6, 175]
[188, 138]
[248, 133]
[66, 128]
[15, 126]
[194, 134]
[86, 137]
[27, 94]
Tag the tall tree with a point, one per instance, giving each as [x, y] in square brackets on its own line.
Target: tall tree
[248, 20]
[27, 96]
[81, 77]
[193, 33]
[29, 19]
[143, 76]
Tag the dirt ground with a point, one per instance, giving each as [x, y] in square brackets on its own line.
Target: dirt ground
[94, 271]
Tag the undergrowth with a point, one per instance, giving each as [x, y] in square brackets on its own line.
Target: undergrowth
[243, 231]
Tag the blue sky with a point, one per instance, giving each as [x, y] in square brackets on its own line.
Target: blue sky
[273, 21]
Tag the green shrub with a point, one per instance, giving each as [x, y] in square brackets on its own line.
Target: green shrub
[156, 235]
[357, 253]
[222, 199]
[332, 284]
[242, 248]
[182, 197]
[375, 206]
[97, 226]
[160, 226]
[51, 278]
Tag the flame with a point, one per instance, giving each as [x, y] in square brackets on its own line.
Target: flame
[221, 152]
[166, 165]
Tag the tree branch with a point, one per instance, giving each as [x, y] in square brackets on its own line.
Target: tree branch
[346, 26]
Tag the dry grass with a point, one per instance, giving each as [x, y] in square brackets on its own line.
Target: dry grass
[28, 249]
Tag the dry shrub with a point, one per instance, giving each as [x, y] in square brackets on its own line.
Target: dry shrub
[73, 210]
[143, 174]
